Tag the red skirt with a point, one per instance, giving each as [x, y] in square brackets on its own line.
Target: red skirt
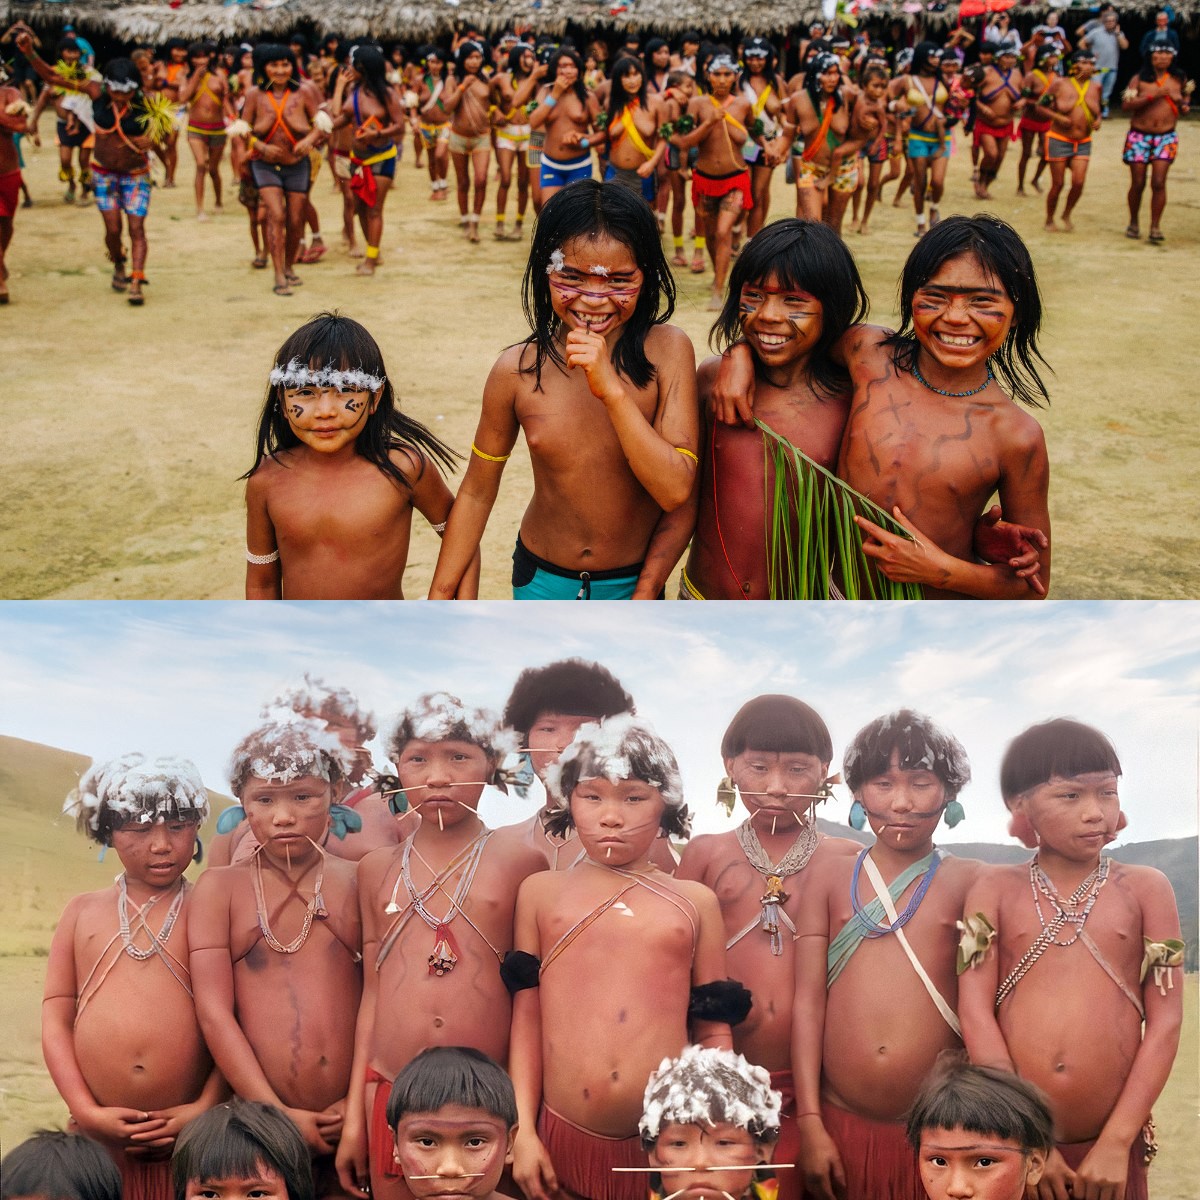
[721, 185]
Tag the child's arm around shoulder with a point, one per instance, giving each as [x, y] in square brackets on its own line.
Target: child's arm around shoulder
[264, 580]
[708, 962]
[495, 436]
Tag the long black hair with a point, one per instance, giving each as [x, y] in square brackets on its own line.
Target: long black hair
[269, 52]
[817, 67]
[367, 59]
[618, 97]
[331, 339]
[552, 72]
[809, 256]
[589, 209]
[514, 61]
[1147, 75]
[1005, 257]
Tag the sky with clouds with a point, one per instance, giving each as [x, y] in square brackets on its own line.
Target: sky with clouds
[189, 678]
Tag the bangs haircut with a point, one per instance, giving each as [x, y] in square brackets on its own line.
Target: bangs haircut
[618, 97]
[367, 59]
[269, 52]
[778, 724]
[810, 257]
[583, 210]
[572, 687]
[1061, 747]
[445, 1075]
[237, 1140]
[1005, 258]
[59, 1166]
[922, 746]
[983, 1100]
[123, 70]
[330, 338]
[514, 61]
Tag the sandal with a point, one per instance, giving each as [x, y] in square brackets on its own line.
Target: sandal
[259, 262]
[1132, 231]
[293, 279]
[1156, 236]
[120, 283]
[282, 289]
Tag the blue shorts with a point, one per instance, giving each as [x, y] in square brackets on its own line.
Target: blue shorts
[557, 174]
[924, 145]
[534, 578]
[646, 187]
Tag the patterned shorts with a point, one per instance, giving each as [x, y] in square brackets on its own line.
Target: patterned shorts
[1150, 147]
[128, 193]
[844, 181]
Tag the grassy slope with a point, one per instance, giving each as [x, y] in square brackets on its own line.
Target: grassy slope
[44, 862]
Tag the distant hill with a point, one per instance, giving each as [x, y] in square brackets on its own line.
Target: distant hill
[44, 861]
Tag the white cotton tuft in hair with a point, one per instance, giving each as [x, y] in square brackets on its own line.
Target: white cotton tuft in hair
[288, 748]
[556, 262]
[441, 717]
[316, 698]
[708, 1086]
[138, 789]
[297, 374]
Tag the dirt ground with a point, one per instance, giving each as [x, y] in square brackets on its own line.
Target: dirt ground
[126, 429]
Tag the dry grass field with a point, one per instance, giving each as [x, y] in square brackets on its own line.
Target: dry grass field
[43, 862]
[126, 429]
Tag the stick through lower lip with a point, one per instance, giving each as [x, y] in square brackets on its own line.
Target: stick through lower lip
[680, 1170]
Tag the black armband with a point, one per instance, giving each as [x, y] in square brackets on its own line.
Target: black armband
[722, 1000]
[520, 970]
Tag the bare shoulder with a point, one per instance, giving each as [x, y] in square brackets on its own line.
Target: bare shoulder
[536, 889]
[1141, 879]
[698, 855]
[517, 858]
[669, 342]
[373, 866]
[341, 871]
[410, 461]
[700, 894]
[960, 871]
[1022, 429]
[837, 847]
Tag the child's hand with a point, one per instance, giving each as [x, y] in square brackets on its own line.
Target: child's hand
[312, 1130]
[819, 1161]
[532, 1169]
[119, 1124]
[1102, 1174]
[999, 541]
[1057, 1179]
[353, 1167]
[732, 397]
[902, 560]
[590, 351]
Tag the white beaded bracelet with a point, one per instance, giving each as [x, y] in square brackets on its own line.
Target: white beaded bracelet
[440, 527]
[262, 560]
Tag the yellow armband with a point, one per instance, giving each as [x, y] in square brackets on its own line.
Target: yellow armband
[688, 453]
[490, 457]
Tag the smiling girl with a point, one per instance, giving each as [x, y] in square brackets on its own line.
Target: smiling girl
[931, 435]
[338, 473]
[605, 392]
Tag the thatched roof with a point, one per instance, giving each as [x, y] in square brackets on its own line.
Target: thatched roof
[419, 20]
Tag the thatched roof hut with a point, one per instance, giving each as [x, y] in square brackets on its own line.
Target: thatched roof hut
[419, 20]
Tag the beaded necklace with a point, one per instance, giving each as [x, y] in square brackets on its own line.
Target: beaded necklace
[314, 908]
[874, 929]
[954, 395]
[157, 940]
[1066, 912]
[772, 913]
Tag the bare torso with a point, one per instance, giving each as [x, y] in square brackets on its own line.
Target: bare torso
[882, 1030]
[732, 515]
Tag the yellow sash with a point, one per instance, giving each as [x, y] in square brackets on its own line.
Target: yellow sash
[1081, 102]
[632, 131]
[761, 102]
[732, 120]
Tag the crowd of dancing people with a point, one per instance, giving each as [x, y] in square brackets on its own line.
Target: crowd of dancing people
[699, 120]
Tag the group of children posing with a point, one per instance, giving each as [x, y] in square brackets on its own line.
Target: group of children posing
[814, 439]
[364, 918]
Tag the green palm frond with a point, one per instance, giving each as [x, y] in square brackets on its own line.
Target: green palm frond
[814, 548]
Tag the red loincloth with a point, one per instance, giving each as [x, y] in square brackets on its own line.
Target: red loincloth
[1136, 1185]
[876, 1156]
[584, 1160]
[381, 1141]
[721, 185]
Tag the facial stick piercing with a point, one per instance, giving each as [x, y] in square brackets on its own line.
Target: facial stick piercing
[683, 1170]
[287, 849]
[441, 823]
[773, 826]
[476, 1175]
[608, 852]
